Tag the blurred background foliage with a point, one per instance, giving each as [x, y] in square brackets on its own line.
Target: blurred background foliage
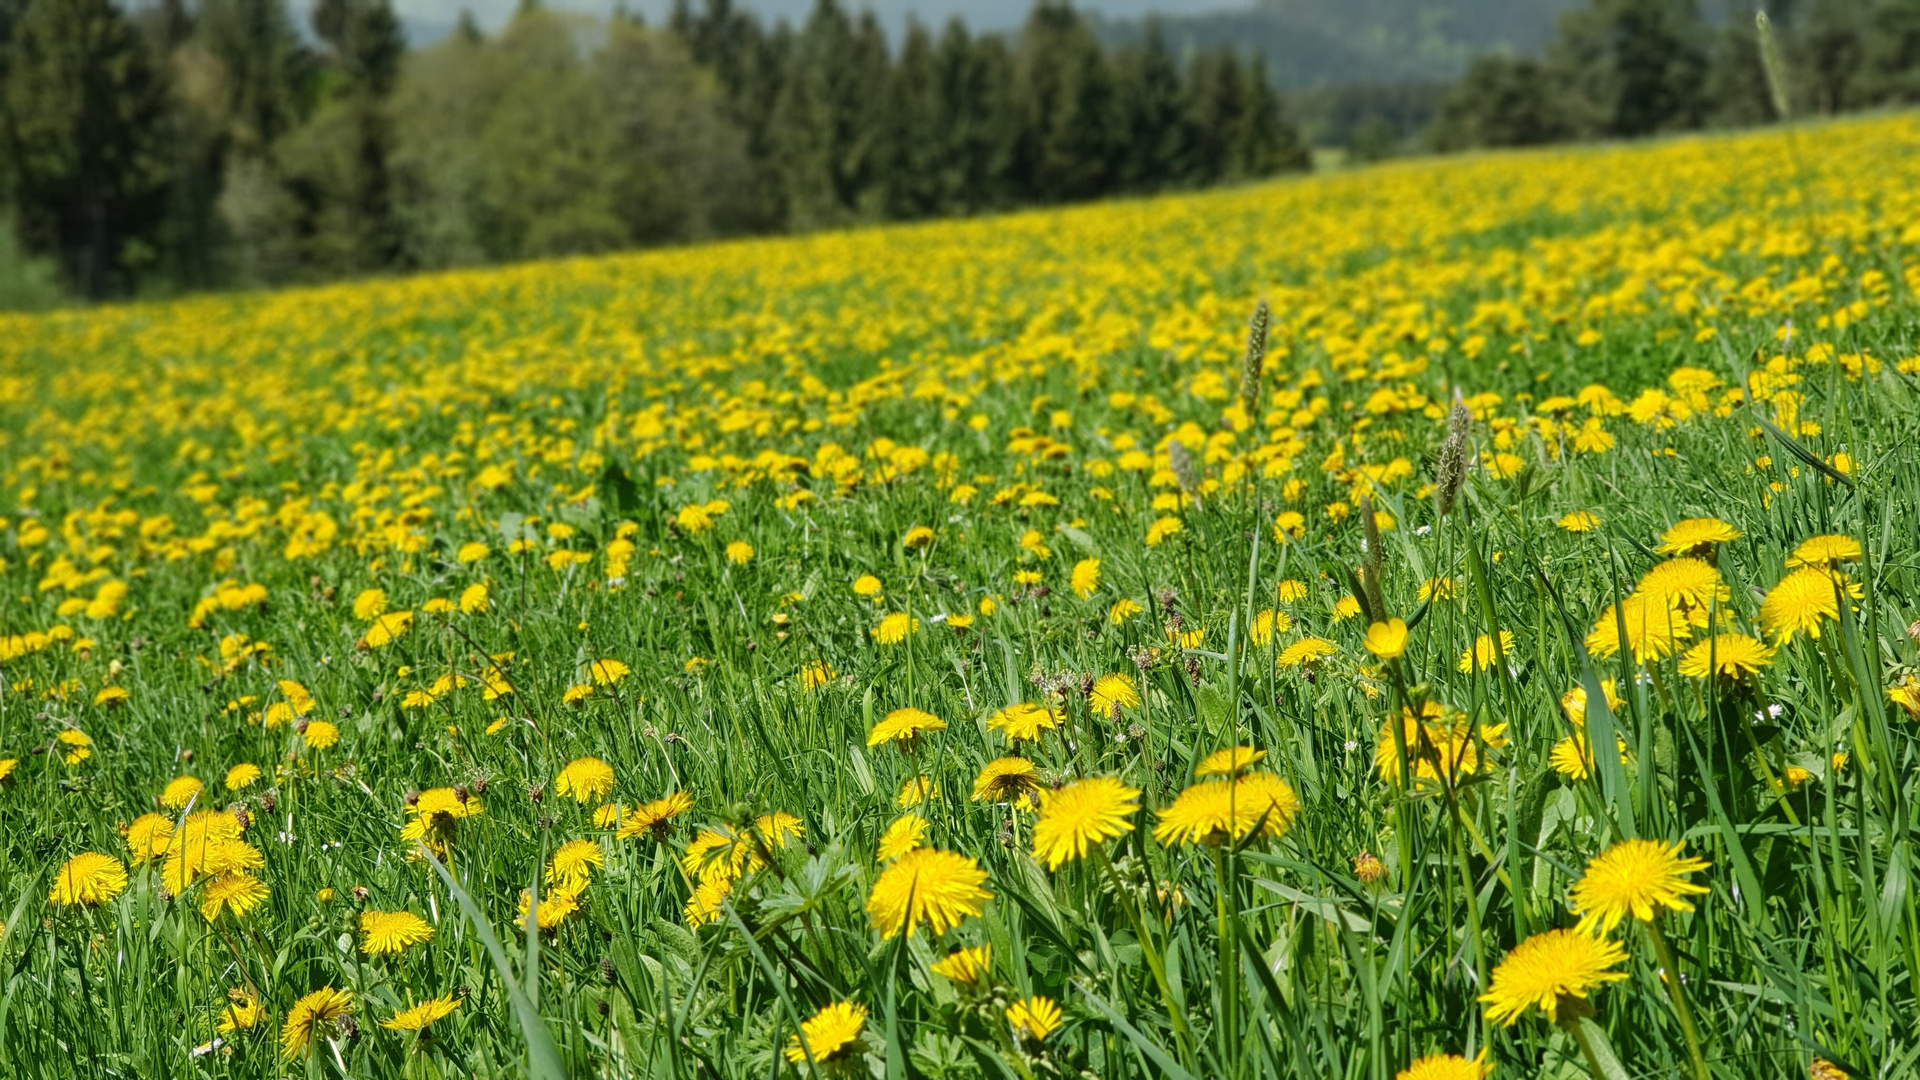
[177, 145]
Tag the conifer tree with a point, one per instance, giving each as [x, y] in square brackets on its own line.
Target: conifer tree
[84, 115]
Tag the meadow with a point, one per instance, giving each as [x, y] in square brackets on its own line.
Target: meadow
[1163, 638]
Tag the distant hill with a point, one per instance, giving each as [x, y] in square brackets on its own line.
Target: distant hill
[1314, 43]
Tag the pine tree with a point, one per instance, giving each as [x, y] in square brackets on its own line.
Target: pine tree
[1631, 67]
[1832, 47]
[975, 77]
[1063, 91]
[829, 121]
[84, 114]
[1216, 112]
[1152, 105]
[918, 149]
[1891, 73]
[1267, 143]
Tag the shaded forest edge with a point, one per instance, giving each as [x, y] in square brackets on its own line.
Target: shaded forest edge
[189, 146]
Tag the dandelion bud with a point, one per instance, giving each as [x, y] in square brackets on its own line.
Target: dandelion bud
[1451, 470]
[536, 792]
[1913, 630]
[269, 802]
[460, 792]
[412, 798]
[1168, 598]
[240, 815]
[606, 969]
[1256, 359]
[479, 787]
[360, 894]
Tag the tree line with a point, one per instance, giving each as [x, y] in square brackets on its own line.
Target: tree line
[1630, 68]
[191, 144]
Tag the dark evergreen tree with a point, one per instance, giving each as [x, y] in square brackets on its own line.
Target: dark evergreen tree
[1501, 102]
[918, 150]
[1891, 70]
[1153, 110]
[1631, 67]
[1067, 147]
[85, 113]
[259, 55]
[1267, 143]
[975, 77]
[830, 118]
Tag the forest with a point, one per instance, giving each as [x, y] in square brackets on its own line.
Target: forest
[189, 145]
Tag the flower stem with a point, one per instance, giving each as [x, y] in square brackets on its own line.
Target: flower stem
[1670, 970]
[1147, 951]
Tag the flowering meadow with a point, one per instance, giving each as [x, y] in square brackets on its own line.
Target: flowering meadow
[1447, 620]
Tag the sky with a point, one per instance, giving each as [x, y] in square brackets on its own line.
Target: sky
[425, 16]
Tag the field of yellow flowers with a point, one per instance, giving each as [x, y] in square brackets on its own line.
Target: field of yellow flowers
[1159, 639]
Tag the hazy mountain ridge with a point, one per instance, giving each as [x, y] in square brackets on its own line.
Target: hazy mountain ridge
[1329, 42]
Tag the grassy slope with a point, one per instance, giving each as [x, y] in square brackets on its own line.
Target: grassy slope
[325, 442]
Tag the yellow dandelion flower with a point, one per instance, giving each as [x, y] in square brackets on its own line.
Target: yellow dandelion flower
[585, 779]
[1907, 696]
[1731, 656]
[320, 734]
[573, 863]
[1213, 811]
[89, 879]
[832, 1034]
[1695, 536]
[1826, 552]
[1546, 970]
[926, 885]
[419, 1017]
[370, 604]
[1446, 1067]
[739, 553]
[179, 792]
[1574, 701]
[1229, 762]
[1483, 654]
[1803, 600]
[1113, 692]
[904, 726]
[388, 628]
[655, 817]
[1633, 877]
[964, 966]
[1158, 532]
[1306, 652]
[866, 585]
[1007, 779]
[607, 672]
[1689, 586]
[1024, 721]
[238, 892]
[147, 838]
[916, 790]
[902, 836]
[243, 1012]
[242, 776]
[1654, 630]
[385, 933]
[314, 1018]
[1579, 521]
[1034, 1018]
[556, 906]
[894, 629]
[1085, 579]
[816, 675]
[1079, 815]
[1122, 610]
